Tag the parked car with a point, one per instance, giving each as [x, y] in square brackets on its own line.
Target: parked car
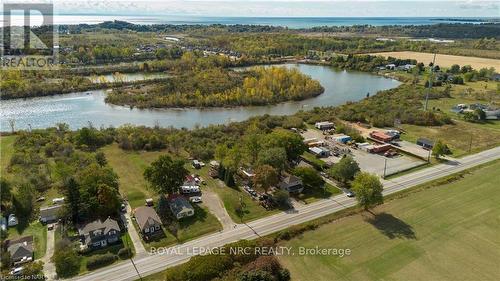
[50, 226]
[12, 220]
[40, 199]
[195, 199]
[16, 271]
[390, 153]
[123, 208]
[350, 194]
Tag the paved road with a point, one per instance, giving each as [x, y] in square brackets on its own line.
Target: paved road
[155, 263]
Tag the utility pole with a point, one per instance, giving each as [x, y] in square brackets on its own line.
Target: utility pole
[430, 83]
[385, 167]
[470, 143]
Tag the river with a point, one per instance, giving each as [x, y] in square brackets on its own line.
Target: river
[78, 109]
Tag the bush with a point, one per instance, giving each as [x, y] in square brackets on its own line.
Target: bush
[200, 268]
[125, 253]
[309, 176]
[66, 259]
[100, 260]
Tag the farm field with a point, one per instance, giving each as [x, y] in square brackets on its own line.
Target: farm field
[446, 232]
[443, 60]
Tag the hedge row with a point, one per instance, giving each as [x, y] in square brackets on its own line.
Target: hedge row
[97, 261]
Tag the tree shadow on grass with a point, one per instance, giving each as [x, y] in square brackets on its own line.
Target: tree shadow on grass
[391, 226]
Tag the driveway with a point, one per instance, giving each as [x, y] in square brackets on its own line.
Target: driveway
[214, 204]
[140, 251]
[155, 263]
[49, 268]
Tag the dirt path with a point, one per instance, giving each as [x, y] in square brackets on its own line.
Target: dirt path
[214, 204]
[140, 251]
[49, 268]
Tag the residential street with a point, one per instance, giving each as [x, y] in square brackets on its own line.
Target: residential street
[155, 263]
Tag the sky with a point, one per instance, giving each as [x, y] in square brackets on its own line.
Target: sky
[281, 8]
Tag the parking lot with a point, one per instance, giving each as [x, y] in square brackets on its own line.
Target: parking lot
[369, 162]
[413, 148]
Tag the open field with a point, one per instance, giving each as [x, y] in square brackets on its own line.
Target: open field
[6, 151]
[130, 165]
[459, 137]
[444, 60]
[448, 232]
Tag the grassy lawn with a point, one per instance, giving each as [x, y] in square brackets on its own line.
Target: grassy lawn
[130, 165]
[202, 223]
[231, 198]
[310, 195]
[448, 232]
[110, 249]
[6, 151]
[313, 160]
[457, 137]
[39, 233]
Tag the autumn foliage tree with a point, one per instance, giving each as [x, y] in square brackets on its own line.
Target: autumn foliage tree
[265, 177]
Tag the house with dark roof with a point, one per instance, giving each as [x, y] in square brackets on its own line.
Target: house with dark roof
[180, 207]
[148, 220]
[425, 143]
[291, 184]
[21, 250]
[98, 234]
[50, 214]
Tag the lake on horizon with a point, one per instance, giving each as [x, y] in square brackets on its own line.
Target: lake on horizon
[290, 22]
[78, 109]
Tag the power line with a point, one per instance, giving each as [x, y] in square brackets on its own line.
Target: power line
[430, 82]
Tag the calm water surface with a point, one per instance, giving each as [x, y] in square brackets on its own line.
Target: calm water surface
[78, 109]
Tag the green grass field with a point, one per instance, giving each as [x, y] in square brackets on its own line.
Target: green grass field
[130, 165]
[448, 232]
[484, 135]
[457, 136]
[6, 151]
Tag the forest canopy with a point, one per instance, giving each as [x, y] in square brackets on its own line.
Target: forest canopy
[221, 87]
